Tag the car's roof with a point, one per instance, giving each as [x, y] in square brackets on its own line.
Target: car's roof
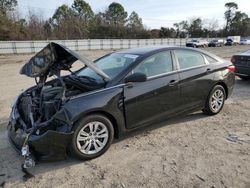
[150, 49]
[145, 50]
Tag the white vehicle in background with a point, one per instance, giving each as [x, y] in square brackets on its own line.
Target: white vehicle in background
[244, 41]
[232, 40]
[196, 43]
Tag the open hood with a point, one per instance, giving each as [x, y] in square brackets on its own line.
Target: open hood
[53, 58]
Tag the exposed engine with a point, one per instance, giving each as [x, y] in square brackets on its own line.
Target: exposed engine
[40, 103]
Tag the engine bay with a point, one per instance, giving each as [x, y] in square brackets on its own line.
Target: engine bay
[39, 103]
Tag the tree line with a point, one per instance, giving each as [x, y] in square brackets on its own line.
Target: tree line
[78, 21]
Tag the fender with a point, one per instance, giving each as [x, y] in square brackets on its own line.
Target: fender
[108, 101]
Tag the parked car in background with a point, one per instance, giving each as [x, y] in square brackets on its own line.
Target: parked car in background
[242, 64]
[244, 41]
[232, 40]
[82, 112]
[196, 43]
[216, 43]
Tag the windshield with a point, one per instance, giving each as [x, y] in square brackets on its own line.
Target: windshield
[194, 40]
[214, 40]
[112, 65]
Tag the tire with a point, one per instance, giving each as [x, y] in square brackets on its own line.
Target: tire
[245, 77]
[215, 101]
[88, 144]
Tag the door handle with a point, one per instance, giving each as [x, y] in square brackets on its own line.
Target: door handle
[129, 85]
[173, 83]
[209, 71]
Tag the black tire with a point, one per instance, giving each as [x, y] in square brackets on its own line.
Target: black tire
[209, 110]
[245, 77]
[75, 151]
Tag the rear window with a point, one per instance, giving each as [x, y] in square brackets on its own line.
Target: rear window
[188, 59]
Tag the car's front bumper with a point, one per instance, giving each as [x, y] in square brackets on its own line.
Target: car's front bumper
[51, 145]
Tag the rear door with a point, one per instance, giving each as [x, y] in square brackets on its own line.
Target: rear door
[196, 77]
[155, 98]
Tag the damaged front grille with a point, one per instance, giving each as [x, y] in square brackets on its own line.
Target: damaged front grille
[39, 108]
[25, 110]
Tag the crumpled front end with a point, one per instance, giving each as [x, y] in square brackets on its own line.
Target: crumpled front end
[39, 125]
[43, 141]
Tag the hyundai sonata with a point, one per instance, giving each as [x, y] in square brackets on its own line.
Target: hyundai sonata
[82, 112]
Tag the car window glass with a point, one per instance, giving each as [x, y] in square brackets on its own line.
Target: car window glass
[159, 63]
[188, 59]
[210, 59]
[112, 65]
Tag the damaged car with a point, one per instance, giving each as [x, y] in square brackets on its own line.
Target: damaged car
[81, 113]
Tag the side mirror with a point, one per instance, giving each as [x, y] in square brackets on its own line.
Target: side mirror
[136, 77]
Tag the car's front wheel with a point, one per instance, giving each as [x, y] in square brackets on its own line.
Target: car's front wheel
[92, 137]
[215, 100]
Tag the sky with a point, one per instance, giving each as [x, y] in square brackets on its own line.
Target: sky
[154, 13]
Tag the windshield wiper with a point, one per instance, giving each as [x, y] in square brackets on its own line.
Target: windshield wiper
[87, 78]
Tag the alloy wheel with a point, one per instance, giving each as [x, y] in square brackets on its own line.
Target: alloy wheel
[217, 100]
[92, 138]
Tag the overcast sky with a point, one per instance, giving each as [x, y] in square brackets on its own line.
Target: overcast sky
[154, 13]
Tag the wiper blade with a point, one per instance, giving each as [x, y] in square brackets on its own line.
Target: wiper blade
[87, 77]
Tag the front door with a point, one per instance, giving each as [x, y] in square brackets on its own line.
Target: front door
[155, 98]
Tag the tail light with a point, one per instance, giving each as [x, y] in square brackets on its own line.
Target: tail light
[233, 59]
[231, 68]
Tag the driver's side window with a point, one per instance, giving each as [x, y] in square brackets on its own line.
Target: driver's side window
[156, 64]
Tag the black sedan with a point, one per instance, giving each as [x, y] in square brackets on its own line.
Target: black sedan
[242, 65]
[82, 112]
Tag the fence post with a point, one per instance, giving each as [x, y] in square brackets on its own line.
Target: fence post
[111, 44]
[89, 47]
[32, 47]
[76, 45]
[101, 42]
[121, 44]
[14, 48]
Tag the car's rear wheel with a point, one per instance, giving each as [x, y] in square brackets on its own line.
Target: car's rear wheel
[215, 100]
[92, 137]
[245, 77]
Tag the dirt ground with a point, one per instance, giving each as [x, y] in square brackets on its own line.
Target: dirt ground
[189, 151]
